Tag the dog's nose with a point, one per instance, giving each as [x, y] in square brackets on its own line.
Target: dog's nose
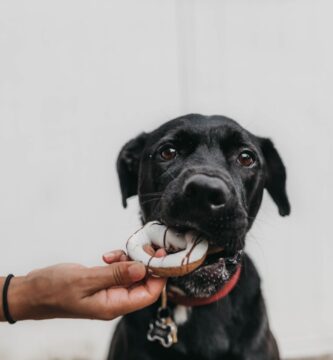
[207, 190]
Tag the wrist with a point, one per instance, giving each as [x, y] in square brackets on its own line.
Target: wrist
[19, 298]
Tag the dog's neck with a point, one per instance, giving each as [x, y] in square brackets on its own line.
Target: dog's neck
[181, 299]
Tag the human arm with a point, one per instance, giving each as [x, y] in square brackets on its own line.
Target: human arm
[75, 291]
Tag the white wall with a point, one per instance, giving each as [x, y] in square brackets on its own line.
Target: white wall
[79, 78]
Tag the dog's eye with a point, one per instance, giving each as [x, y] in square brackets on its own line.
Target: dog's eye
[246, 158]
[168, 153]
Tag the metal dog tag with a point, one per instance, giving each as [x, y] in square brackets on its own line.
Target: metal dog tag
[163, 329]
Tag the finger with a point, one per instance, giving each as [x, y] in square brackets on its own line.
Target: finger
[116, 274]
[149, 249]
[160, 253]
[122, 301]
[146, 293]
[114, 256]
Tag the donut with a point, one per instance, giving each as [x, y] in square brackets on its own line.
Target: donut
[185, 251]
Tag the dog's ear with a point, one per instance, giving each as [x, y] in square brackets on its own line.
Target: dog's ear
[128, 166]
[275, 181]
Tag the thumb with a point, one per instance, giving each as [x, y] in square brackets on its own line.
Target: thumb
[117, 274]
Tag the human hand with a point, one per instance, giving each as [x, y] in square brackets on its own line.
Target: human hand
[75, 291]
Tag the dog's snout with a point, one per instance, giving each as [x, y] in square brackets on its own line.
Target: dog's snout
[207, 190]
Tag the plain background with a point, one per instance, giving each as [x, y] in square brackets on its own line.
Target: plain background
[79, 78]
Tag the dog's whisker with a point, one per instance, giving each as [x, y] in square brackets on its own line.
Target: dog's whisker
[169, 173]
[151, 194]
[154, 211]
[149, 200]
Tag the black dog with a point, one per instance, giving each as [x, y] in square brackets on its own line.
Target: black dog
[207, 174]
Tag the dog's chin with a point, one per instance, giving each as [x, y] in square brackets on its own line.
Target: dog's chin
[210, 277]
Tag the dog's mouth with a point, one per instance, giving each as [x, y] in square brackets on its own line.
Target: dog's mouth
[216, 254]
[210, 277]
[207, 279]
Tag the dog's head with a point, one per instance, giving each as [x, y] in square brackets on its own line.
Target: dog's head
[207, 174]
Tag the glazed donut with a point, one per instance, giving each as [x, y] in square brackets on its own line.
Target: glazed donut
[186, 251]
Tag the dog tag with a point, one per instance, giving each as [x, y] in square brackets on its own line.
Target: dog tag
[163, 329]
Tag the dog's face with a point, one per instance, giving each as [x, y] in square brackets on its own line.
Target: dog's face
[207, 174]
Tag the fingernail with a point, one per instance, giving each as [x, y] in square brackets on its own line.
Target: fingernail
[136, 271]
[109, 256]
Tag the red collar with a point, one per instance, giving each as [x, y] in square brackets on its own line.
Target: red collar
[194, 301]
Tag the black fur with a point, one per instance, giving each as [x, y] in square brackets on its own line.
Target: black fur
[207, 188]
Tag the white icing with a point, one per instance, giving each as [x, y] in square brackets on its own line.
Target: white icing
[189, 248]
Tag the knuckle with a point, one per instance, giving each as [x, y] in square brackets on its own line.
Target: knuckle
[118, 275]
